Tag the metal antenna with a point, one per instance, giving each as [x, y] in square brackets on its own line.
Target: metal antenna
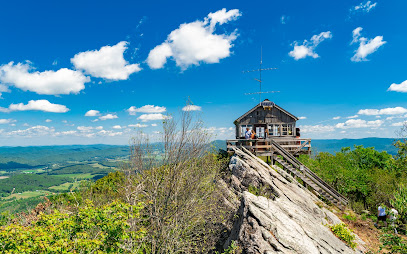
[260, 80]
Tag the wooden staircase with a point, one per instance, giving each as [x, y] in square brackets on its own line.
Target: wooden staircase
[297, 168]
[294, 166]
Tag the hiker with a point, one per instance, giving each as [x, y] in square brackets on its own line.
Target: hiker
[393, 217]
[253, 136]
[381, 215]
[248, 133]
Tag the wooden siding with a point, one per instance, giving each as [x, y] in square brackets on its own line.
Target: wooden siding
[262, 116]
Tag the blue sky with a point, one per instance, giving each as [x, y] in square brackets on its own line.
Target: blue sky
[341, 66]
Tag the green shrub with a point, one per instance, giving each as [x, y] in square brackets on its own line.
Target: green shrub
[344, 233]
[393, 243]
[91, 230]
[349, 217]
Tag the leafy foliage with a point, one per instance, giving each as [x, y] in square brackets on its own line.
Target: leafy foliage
[365, 176]
[344, 233]
[393, 243]
[90, 230]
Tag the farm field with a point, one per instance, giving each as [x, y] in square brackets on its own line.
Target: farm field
[29, 173]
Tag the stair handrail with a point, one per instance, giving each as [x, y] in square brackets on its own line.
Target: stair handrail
[297, 164]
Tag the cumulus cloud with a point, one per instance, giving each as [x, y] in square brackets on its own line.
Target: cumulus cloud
[48, 120]
[364, 7]
[196, 42]
[7, 121]
[192, 108]
[316, 128]
[153, 117]
[3, 89]
[385, 111]
[117, 127]
[307, 48]
[137, 125]
[23, 76]
[146, 109]
[38, 130]
[92, 112]
[354, 116]
[37, 105]
[366, 46]
[359, 123]
[302, 117]
[108, 117]
[399, 124]
[336, 118]
[402, 87]
[107, 62]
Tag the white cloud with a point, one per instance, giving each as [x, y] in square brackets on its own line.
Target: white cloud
[3, 89]
[108, 117]
[316, 128]
[107, 62]
[402, 88]
[146, 109]
[364, 7]
[92, 112]
[62, 81]
[137, 125]
[366, 46]
[385, 111]
[307, 48]
[38, 105]
[7, 121]
[195, 42]
[85, 128]
[192, 108]
[359, 123]
[154, 124]
[336, 118]
[302, 117]
[117, 127]
[48, 120]
[153, 117]
[354, 116]
[109, 133]
[399, 124]
[38, 130]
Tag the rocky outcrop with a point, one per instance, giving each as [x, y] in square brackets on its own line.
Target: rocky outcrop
[283, 217]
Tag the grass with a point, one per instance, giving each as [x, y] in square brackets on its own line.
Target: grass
[65, 186]
[97, 165]
[27, 194]
[77, 176]
[34, 171]
[2, 172]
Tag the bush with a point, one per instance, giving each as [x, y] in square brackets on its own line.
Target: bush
[344, 233]
[393, 243]
[90, 230]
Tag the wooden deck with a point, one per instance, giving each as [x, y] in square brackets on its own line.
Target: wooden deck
[263, 147]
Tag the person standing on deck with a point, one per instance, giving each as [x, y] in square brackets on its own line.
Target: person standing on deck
[248, 133]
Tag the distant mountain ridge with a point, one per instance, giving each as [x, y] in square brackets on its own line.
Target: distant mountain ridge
[335, 145]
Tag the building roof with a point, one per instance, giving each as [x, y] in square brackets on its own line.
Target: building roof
[267, 103]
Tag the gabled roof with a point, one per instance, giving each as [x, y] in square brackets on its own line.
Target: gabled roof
[268, 103]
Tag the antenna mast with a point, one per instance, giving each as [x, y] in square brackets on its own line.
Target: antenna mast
[260, 80]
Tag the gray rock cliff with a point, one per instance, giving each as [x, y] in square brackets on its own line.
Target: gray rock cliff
[283, 218]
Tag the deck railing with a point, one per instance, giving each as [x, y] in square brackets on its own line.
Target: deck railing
[264, 146]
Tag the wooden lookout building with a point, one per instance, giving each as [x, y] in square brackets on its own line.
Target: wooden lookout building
[271, 123]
